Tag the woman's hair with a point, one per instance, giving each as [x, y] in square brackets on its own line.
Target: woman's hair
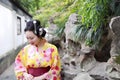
[35, 27]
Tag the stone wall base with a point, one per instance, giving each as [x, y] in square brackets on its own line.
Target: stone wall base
[8, 58]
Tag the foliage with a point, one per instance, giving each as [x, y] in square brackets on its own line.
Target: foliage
[29, 5]
[94, 13]
[115, 7]
[94, 16]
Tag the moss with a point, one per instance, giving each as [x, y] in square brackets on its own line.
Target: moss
[117, 60]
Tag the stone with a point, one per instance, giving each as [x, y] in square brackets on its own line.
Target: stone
[83, 76]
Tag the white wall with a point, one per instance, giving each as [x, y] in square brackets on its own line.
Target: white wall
[8, 30]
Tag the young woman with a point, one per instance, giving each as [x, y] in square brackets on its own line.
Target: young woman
[39, 60]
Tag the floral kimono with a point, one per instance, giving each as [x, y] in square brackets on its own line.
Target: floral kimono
[29, 56]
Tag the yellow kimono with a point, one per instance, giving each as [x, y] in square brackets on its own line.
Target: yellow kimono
[29, 56]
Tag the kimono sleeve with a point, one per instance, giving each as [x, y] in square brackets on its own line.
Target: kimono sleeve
[54, 73]
[20, 65]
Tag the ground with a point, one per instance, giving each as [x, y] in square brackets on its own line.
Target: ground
[8, 74]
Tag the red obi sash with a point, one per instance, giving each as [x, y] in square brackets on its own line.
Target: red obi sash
[38, 71]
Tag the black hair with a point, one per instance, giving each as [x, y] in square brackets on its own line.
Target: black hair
[35, 27]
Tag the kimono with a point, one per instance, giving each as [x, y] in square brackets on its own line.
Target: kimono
[29, 56]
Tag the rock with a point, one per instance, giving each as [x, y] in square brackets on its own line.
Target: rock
[83, 76]
[99, 69]
[115, 75]
[70, 74]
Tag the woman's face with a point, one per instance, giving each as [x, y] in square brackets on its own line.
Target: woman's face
[32, 38]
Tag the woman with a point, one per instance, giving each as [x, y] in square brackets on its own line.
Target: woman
[39, 60]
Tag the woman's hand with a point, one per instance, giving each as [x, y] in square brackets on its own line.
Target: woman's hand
[42, 77]
[28, 76]
[39, 78]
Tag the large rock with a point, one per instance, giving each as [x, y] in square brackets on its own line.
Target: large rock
[50, 36]
[70, 26]
[115, 27]
[113, 68]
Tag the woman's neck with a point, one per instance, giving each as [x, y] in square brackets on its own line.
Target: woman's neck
[41, 43]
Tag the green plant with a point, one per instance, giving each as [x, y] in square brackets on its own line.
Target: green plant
[115, 8]
[94, 15]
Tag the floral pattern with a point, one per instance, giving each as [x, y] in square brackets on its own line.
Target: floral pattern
[29, 56]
